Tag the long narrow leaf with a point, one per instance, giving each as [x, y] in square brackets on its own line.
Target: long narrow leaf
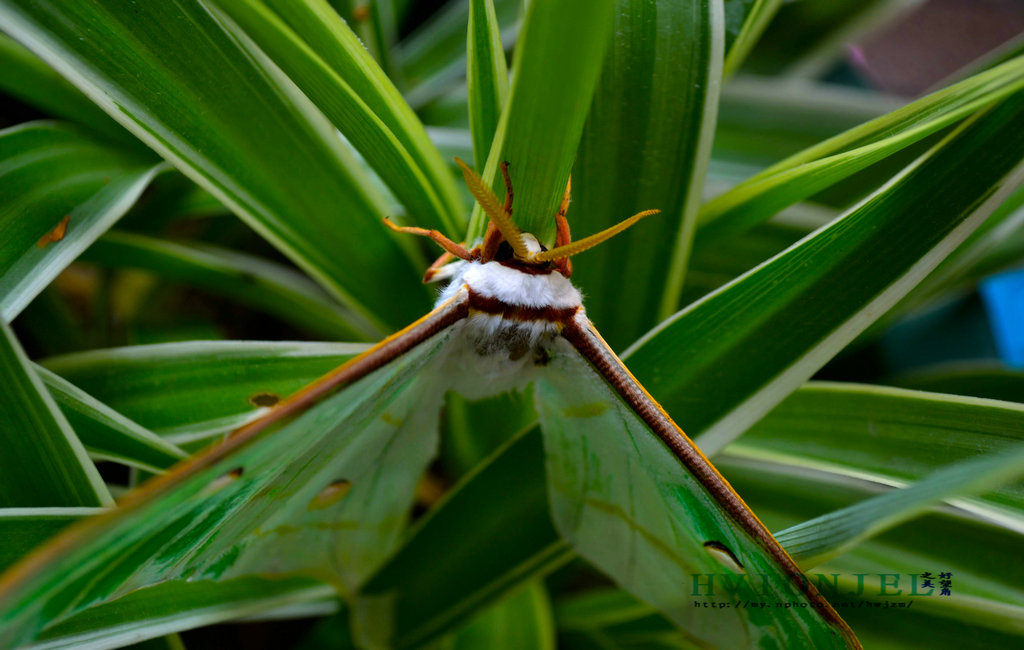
[523, 620]
[30, 80]
[61, 191]
[257, 145]
[43, 463]
[815, 168]
[486, 77]
[986, 587]
[433, 57]
[221, 383]
[825, 537]
[889, 435]
[709, 363]
[322, 55]
[23, 529]
[756, 14]
[554, 71]
[177, 606]
[978, 378]
[653, 114]
[437, 578]
[265, 285]
[105, 432]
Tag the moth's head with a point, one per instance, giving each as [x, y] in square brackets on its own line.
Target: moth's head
[505, 242]
[504, 252]
[526, 249]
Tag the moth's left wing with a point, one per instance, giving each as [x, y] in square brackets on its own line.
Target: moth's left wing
[322, 491]
[633, 495]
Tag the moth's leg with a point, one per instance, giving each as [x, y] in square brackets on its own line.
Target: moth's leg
[458, 250]
[508, 188]
[492, 239]
[563, 236]
[436, 266]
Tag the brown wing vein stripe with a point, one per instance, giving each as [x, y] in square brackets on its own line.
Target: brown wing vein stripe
[379, 355]
[519, 313]
[596, 351]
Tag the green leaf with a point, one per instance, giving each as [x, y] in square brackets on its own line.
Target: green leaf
[325, 59]
[257, 145]
[612, 619]
[977, 378]
[918, 630]
[994, 246]
[474, 429]
[558, 57]
[806, 173]
[986, 587]
[714, 266]
[756, 14]
[50, 325]
[220, 382]
[439, 577]
[951, 445]
[659, 138]
[105, 432]
[380, 33]
[523, 620]
[820, 539]
[888, 435]
[486, 77]
[30, 80]
[43, 463]
[24, 529]
[265, 285]
[50, 173]
[709, 364]
[760, 122]
[433, 57]
[177, 606]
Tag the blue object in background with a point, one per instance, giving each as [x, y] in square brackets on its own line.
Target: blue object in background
[1004, 300]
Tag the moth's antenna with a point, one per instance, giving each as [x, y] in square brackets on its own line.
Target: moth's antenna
[581, 245]
[494, 210]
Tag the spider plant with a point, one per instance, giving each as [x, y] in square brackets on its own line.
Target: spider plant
[192, 203]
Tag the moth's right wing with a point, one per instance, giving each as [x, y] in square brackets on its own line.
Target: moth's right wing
[633, 495]
[320, 486]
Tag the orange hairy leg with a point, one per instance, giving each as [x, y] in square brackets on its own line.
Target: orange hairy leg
[508, 187]
[563, 236]
[458, 250]
[432, 270]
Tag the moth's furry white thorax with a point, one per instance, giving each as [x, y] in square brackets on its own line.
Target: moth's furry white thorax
[514, 287]
[495, 353]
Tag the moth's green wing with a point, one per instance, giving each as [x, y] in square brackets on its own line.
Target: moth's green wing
[325, 494]
[627, 504]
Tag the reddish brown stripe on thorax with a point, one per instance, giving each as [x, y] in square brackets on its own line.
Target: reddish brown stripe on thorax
[521, 313]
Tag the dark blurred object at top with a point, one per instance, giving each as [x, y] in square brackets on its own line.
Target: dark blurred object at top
[931, 42]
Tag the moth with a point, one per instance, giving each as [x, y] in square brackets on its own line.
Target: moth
[322, 484]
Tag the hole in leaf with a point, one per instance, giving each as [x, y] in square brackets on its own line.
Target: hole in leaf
[721, 552]
[264, 399]
[330, 495]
